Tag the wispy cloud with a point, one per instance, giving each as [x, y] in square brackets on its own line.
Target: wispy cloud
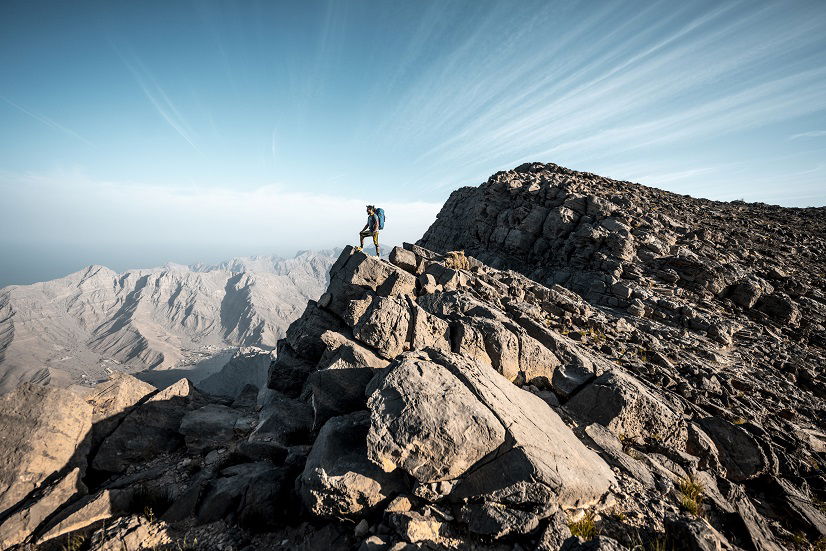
[47, 121]
[159, 99]
[609, 84]
[812, 134]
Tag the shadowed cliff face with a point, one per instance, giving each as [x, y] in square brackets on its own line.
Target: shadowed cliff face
[434, 401]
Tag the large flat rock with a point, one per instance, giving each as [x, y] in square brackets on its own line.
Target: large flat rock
[425, 421]
[42, 430]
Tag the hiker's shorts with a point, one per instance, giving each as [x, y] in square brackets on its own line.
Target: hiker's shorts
[368, 233]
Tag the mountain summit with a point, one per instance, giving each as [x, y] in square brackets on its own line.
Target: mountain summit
[563, 363]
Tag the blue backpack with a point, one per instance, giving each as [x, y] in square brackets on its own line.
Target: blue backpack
[380, 215]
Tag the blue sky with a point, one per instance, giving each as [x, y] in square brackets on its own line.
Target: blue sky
[135, 133]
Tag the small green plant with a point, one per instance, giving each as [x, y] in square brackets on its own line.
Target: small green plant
[739, 421]
[586, 527]
[658, 544]
[691, 495]
[619, 515]
[596, 335]
[820, 544]
[799, 539]
[626, 442]
[149, 514]
[74, 542]
[184, 544]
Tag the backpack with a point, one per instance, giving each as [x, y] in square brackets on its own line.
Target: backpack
[380, 215]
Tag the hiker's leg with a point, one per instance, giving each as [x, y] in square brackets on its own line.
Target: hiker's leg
[362, 235]
[376, 242]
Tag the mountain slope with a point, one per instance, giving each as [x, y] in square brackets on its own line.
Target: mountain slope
[668, 395]
[729, 294]
[87, 324]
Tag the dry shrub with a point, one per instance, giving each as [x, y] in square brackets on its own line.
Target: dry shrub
[457, 260]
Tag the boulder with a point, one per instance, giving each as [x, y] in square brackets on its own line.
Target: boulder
[254, 494]
[611, 450]
[87, 511]
[541, 466]
[740, 454]
[112, 399]
[133, 532]
[28, 515]
[628, 409]
[209, 427]
[404, 259]
[289, 371]
[780, 307]
[555, 533]
[796, 505]
[490, 342]
[44, 430]
[576, 365]
[693, 534]
[420, 529]
[304, 334]
[384, 326]
[538, 366]
[338, 479]
[283, 422]
[745, 293]
[355, 272]
[148, 430]
[427, 330]
[754, 526]
[339, 384]
[426, 422]
[427, 283]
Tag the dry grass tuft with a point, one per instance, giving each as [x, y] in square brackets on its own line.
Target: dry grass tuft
[585, 528]
[457, 260]
[691, 495]
[74, 542]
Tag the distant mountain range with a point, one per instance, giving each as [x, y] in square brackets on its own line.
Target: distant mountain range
[80, 328]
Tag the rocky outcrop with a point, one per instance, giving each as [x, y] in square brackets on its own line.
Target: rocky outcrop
[42, 429]
[619, 387]
[339, 480]
[445, 422]
[148, 430]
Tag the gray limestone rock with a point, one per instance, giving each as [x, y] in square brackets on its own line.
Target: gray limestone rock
[148, 430]
[628, 409]
[338, 479]
[209, 427]
[44, 430]
[740, 454]
[426, 422]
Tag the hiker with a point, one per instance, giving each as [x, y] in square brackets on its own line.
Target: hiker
[374, 223]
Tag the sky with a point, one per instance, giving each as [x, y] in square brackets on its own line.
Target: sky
[138, 133]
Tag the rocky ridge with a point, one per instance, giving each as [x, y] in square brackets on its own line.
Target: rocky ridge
[435, 402]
